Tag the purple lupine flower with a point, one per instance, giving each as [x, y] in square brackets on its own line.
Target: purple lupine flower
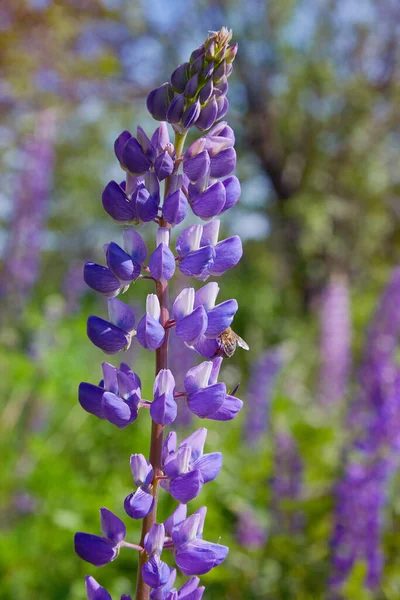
[23, 250]
[100, 550]
[156, 573]
[162, 261]
[196, 93]
[287, 480]
[150, 333]
[191, 322]
[123, 266]
[259, 395]
[117, 398]
[187, 468]
[114, 335]
[140, 504]
[201, 177]
[335, 340]
[189, 591]
[95, 591]
[205, 397]
[373, 455]
[201, 255]
[163, 409]
[249, 532]
[193, 555]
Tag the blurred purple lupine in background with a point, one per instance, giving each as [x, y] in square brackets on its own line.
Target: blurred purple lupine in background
[335, 339]
[260, 391]
[373, 455]
[287, 482]
[30, 210]
[250, 533]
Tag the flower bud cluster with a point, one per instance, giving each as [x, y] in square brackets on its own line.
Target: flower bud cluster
[162, 182]
[196, 92]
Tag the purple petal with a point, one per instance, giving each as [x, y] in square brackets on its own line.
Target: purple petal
[197, 263]
[163, 592]
[209, 204]
[220, 318]
[193, 326]
[191, 115]
[175, 207]
[232, 190]
[227, 255]
[110, 378]
[187, 486]
[192, 86]
[208, 115]
[164, 383]
[195, 441]
[197, 167]
[216, 362]
[152, 185]
[209, 237]
[162, 263]
[150, 333]
[145, 143]
[94, 591]
[106, 336]
[135, 245]
[139, 504]
[121, 264]
[180, 77]
[146, 206]
[198, 377]
[229, 409]
[112, 527]
[177, 517]
[207, 401]
[101, 279]
[186, 531]
[207, 295]
[154, 539]
[134, 159]
[142, 471]
[206, 347]
[155, 572]
[176, 108]
[199, 557]
[120, 314]
[117, 411]
[94, 549]
[223, 106]
[164, 165]
[90, 398]
[183, 304]
[209, 466]
[116, 204]
[206, 93]
[189, 240]
[163, 410]
[190, 590]
[160, 137]
[159, 100]
[120, 142]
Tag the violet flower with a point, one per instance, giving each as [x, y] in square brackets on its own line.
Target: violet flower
[200, 177]
[95, 591]
[372, 457]
[259, 395]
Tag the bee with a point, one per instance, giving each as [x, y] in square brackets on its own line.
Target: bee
[228, 342]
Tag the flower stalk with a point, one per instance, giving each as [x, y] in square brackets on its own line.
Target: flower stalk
[198, 178]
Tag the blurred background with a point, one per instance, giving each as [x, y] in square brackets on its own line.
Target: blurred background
[308, 499]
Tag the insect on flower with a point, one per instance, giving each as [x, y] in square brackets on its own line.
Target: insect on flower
[229, 341]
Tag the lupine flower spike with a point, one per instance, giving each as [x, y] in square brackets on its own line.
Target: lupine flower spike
[163, 181]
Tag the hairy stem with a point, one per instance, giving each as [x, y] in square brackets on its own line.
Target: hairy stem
[157, 431]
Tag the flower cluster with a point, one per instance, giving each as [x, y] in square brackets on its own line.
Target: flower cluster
[372, 457]
[163, 181]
